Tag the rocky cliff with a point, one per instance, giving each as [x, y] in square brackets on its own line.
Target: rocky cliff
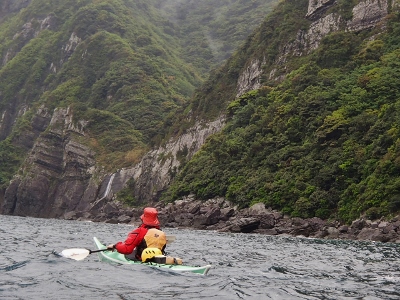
[60, 177]
[365, 15]
[324, 20]
[57, 176]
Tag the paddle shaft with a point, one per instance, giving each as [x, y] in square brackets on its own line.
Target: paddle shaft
[79, 254]
[99, 250]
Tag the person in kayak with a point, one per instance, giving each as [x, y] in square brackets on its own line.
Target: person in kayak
[147, 235]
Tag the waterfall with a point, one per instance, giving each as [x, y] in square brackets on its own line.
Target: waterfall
[108, 189]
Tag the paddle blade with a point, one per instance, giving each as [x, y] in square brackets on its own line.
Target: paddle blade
[170, 239]
[75, 253]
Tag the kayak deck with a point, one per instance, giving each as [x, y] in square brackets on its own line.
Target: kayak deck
[115, 257]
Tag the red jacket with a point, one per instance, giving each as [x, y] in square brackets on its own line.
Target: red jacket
[135, 237]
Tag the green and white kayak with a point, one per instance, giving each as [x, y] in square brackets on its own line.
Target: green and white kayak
[115, 257]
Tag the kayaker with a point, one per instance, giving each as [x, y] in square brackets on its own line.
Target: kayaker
[147, 235]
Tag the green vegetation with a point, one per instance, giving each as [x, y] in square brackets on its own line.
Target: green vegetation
[10, 159]
[125, 67]
[273, 34]
[126, 195]
[324, 142]
[211, 30]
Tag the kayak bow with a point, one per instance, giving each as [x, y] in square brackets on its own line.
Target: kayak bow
[115, 257]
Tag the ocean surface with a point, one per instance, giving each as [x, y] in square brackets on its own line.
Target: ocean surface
[245, 266]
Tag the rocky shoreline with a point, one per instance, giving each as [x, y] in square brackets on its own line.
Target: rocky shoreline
[221, 215]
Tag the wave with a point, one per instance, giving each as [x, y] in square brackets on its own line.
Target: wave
[14, 266]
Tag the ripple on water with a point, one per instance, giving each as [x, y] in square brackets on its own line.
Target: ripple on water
[13, 266]
[245, 266]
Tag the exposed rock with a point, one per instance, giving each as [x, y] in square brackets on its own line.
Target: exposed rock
[267, 221]
[343, 229]
[207, 217]
[71, 45]
[383, 225]
[154, 172]
[373, 234]
[358, 224]
[249, 79]
[71, 215]
[11, 196]
[124, 219]
[61, 179]
[367, 14]
[56, 177]
[226, 213]
[318, 30]
[110, 208]
[258, 209]
[306, 41]
[243, 225]
[28, 31]
[317, 7]
[257, 219]
[48, 23]
[332, 232]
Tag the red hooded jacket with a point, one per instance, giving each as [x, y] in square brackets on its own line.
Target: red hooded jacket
[135, 237]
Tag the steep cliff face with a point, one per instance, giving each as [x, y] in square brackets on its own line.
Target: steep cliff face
[317, 8]
[22, 36]
[153, 174]
[250, 78]
[60, 48]
[28, 31]
[365, 15]
[57, 175]
[155, 171]
[60, 174]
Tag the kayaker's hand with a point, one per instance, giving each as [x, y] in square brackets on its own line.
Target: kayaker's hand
[111, 247]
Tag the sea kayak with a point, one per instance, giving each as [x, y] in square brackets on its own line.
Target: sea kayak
[115, 257]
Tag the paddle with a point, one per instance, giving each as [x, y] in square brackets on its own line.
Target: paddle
[170, 239]
[81, 253]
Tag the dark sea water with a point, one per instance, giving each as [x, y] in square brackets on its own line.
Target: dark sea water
[245, 266]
